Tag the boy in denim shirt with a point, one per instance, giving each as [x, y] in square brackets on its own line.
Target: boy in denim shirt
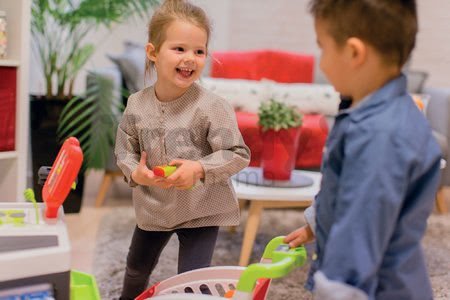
[381, 164]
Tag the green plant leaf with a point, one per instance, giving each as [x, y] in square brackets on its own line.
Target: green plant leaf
[277, 115]
[74, 108]
[93, 119]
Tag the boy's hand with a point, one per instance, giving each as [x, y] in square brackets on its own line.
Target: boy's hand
[144, 176]
[299, 237]
[187, 173]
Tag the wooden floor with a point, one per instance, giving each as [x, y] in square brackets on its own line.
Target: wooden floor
[83, 226]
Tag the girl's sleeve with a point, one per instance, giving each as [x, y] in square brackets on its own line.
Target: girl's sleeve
[230, 154]
[127, 150]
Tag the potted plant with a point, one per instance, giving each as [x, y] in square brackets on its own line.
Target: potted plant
[280, 128]
[59, 29]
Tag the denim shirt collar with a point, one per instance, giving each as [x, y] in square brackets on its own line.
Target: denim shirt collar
[392, 89]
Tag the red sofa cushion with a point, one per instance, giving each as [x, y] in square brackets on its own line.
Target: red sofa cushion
[280, 66]
[313, 136]
[231, 64]
[312, 139]
[248, 125]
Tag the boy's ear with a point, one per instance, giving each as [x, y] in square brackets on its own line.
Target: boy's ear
[150, 50]
[357, 51]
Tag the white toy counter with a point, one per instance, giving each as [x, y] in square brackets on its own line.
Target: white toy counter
[34, 257]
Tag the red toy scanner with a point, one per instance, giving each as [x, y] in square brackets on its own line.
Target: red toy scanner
[62, 176]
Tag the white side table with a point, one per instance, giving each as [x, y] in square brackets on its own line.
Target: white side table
[261, 197]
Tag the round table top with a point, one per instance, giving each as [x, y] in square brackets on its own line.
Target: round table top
[254, 192]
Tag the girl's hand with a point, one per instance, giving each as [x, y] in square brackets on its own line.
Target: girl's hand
[187, 173]
[299, 237]
[144, 176]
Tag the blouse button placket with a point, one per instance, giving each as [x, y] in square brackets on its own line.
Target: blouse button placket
[163, 136]
[161, 118]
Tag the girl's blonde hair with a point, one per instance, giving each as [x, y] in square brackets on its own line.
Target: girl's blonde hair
[169, 11]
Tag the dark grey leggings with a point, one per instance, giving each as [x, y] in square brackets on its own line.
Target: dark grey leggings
[196, 250]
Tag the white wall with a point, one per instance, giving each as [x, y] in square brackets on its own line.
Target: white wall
[286, 24]
[432, 52]
[282, 24]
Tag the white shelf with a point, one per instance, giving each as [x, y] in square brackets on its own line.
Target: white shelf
[8, 154]
[13, 164]
[9, 63]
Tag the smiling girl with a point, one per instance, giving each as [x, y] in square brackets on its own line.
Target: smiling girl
[179, 123]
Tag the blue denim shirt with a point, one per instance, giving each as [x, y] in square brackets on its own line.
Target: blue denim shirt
[380, 175]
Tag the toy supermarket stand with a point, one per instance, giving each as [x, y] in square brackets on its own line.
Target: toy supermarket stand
[34, 244]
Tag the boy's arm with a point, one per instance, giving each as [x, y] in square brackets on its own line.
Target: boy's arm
[310, 217]
[230, 154]
[304, 234]
[372, 188]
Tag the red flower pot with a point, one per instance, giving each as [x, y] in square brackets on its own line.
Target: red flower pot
[279, 153]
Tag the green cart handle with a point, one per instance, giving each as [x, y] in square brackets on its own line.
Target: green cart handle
[284, 260]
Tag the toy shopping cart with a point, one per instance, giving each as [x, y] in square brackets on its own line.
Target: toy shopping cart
[237, 283]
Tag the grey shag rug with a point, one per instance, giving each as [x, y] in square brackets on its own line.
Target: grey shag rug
[116, 228]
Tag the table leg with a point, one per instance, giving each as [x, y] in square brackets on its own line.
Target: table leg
[254, 217]
[242, 204]
[106, 182]
[440, 201]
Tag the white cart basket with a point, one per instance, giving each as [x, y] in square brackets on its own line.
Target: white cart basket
[237, 283]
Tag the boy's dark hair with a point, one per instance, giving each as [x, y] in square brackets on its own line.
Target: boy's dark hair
[390, 26]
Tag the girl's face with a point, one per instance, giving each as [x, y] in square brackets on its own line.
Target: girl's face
[181, 57]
